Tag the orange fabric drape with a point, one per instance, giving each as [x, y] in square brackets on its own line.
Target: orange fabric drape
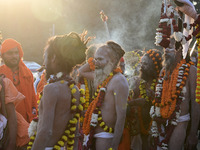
[25, 87]
[13, 96]
[41, 84]
[125, 144]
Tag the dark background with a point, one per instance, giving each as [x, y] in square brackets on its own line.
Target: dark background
[131, 23]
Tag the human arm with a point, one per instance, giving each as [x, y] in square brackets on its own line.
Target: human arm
[12, 126]
[46, 118]
[86, 72]
[192, 139]
[34, 101]
[120, 96]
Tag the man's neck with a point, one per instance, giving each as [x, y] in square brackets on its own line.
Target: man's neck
[14, 68]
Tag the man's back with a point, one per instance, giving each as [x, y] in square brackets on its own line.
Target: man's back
[55, 111]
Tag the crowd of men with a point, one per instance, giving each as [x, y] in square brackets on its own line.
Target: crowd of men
[85, 101]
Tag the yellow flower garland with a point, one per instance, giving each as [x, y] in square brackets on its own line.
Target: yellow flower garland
[136, 54]
[87, 95]
[142, 87]
[69, 133]
[198, 71]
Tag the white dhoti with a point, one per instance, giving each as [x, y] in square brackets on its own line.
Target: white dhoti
[50, 148]
[105, 135]
[180, 119]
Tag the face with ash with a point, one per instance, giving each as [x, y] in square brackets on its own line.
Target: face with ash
[103, 65]
[47, 64]
[169, 57]
[11, 58]
[147, 70]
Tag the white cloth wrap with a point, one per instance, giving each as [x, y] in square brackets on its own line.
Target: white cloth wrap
[50, 148]
[184, 118]
[3, 123]
[105, 135]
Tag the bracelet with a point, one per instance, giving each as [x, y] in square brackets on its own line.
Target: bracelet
[91, 63]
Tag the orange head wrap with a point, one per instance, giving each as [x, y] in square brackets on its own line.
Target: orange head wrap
[9, 44]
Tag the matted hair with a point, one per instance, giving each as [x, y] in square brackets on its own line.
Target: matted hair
[69, 50]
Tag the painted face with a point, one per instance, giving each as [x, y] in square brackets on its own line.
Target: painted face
[101, 58]
[145, 63]
[147, 69]
[11, 57]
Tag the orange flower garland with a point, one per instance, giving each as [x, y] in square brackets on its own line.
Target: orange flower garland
[91, 63]
[198, 71]
[169, 91]
[92, 106]
[153, 56]
[168, 98]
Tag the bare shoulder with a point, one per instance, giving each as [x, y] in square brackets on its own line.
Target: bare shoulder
[119, 80]
[54, 90]
[51, 88]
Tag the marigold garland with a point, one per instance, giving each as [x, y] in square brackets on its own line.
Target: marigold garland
[69, 133]
[168, 97]
[87, 95]
[142, 87]
[92, 106]
[138, 55]
[198, 70]
[153, 55]
[143, 94]
[93, 114]
[169, 93]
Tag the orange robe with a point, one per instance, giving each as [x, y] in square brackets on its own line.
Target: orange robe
[41, 84]
[25, 87]
[125, 144]
[13, 96]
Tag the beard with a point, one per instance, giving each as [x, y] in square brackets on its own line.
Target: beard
[102, 73]
[168, 62]
[11, 64]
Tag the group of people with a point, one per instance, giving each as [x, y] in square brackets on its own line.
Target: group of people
[85, 101]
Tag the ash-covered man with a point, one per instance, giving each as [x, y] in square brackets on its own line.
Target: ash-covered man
[104, 120]
[174, 103]
[59, 105]
[144, 90]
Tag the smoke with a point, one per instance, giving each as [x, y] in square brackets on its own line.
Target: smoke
[131, 23]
